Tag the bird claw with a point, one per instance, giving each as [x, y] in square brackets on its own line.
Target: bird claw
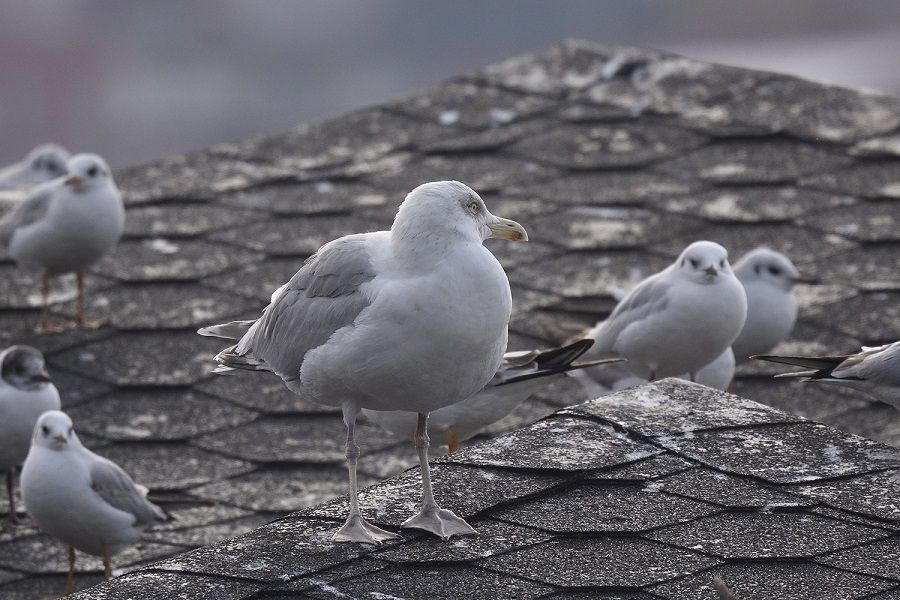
[49, 327]
[357, 529]
[442, 523]
[90, 323]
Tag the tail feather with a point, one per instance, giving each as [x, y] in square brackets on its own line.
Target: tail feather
[557, 358]
[809, 362]
[230, 360]
[234, 330]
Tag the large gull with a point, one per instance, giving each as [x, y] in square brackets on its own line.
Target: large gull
[81, 498]
[414, 318]
[65, 226]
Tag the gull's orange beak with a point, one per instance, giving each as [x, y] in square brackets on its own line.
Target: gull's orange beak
[806, 280]
[72, 180]
[60, 439]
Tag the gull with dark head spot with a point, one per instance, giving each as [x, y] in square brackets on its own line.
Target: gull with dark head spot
[44, 163]
[83, 499]
[25, 393]
[66, 226]
[414, 318]
[874, 370]
[768, 278]
[677, 320]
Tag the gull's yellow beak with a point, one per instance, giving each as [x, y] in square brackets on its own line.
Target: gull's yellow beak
[506, 229]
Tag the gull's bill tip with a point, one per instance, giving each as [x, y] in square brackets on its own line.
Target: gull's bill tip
[507, 229]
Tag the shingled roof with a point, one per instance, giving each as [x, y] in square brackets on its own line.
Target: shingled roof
[614, 159]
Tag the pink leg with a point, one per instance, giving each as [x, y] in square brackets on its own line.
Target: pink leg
[10, 482]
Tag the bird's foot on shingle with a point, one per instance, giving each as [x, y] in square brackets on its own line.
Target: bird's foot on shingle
[357, 529]
[442, 523]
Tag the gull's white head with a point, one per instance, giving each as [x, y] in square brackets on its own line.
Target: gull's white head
[704, 262]
[450, 209]
[87, 172]
[49, 159]
[23, 368]
[54, 430]
[770, 267]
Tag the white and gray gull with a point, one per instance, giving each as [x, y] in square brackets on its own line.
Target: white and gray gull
[414, 318]
[66, 226]
[25, 394]
[85, 500]
[678, 320]
[768, 278]
[874, 370]
[44, 163]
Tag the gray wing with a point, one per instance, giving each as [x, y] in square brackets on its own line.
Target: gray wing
[879, 365]
[322, 297]
[31, 209]
[118, 490]
[649, 297]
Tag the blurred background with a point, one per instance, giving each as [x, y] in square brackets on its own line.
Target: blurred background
[135, 81]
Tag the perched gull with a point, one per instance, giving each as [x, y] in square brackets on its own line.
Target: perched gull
[768, 278]
[25, 393]
[518, 378]
[413, 319]
[83, 499]
[46, 162]
[677, 320]
[875, 371]
[66, 225]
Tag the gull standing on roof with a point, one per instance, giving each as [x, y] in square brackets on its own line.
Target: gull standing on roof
[677, 320]
[768, 278]
[66, 226]
[81, 498]
[25, 393]
[412, 319]
[875, 370]
[520, 376]
[44, 163]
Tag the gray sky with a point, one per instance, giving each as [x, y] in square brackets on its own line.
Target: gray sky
[139, 80]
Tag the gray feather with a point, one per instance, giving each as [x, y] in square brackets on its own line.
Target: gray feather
[28, 211]
[118, 490]
[648, 298]
[322, 297]
[234, 330]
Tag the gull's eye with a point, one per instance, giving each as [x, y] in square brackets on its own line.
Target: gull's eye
[695, 263]
[45, 430]
[473, 206]
[71, 430]
[92, 172]
[722, 264]
[776, 271]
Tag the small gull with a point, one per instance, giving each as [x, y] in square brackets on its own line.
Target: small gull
[44, 163]
[874, 370]
[677, 320]
[768, 278]
[83, 499]
[520, 376]
[25, 393]
[413, 319]
[66, 226]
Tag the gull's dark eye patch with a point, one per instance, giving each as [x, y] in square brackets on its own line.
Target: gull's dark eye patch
[776, 271]
[92, 172]
[695, 263]
[722, 264]
[45, 430]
